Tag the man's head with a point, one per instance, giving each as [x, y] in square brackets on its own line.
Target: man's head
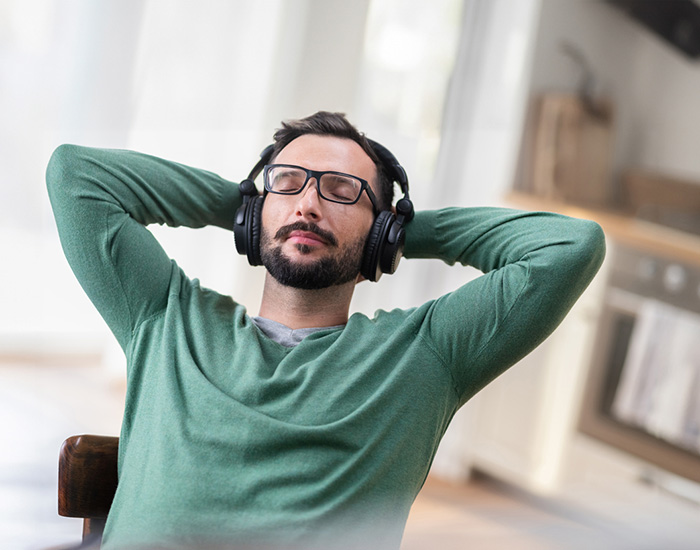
[352, 180]
[310, 242]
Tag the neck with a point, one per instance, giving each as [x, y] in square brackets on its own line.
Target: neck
[298, 308]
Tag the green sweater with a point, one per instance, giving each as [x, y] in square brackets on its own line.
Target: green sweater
[229, 438]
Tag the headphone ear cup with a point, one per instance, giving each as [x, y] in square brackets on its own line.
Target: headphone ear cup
[392, 250]
[254, 230]
[247, 229]
[373, 246]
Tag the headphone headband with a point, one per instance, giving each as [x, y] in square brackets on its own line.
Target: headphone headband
[265, 156]
[389, 161]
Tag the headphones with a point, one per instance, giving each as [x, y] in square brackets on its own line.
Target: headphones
[385, 242]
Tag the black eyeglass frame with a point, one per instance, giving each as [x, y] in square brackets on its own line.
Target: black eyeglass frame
[317, 175]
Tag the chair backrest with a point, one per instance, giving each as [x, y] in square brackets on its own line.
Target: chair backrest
[87, 480]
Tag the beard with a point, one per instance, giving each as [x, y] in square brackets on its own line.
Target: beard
[323, 273]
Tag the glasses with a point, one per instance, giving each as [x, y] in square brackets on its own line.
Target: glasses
[288, 179]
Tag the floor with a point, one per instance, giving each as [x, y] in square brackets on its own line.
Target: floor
[486, 514]
[42, 402]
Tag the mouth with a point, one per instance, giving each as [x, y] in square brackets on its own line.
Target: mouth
[305, 237]
[309, 234]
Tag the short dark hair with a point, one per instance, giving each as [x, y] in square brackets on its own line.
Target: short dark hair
[324, 123]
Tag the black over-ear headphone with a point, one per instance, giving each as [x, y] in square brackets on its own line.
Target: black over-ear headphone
[385, 242]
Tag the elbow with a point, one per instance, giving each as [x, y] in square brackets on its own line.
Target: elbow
[64, 160]
[586, 251]
[593, 244]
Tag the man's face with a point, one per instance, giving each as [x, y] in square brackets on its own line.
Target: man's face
[306, 241]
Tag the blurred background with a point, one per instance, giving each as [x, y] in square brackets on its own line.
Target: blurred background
[587, 107]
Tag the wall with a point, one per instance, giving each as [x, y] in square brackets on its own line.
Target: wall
[653, 87]
[665, 111]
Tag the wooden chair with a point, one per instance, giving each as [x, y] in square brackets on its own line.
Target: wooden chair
[87, 480]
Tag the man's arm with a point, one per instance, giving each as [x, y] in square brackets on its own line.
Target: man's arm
[103, 199]
[536, 266]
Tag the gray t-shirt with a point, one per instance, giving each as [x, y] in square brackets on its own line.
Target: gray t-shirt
[282, 334]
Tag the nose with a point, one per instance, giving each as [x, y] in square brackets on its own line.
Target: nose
[308, 205]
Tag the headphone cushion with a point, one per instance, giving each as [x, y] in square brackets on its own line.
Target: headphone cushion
[254, 230]
[374, 245]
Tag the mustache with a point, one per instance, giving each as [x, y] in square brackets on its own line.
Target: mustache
[311, 227]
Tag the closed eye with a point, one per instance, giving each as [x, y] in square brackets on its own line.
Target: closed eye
[340, 187]
[287, 180]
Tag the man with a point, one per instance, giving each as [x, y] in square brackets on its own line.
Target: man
[299, 428]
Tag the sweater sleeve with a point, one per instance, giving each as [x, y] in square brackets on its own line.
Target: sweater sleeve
[535, 265]
[103, 199]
